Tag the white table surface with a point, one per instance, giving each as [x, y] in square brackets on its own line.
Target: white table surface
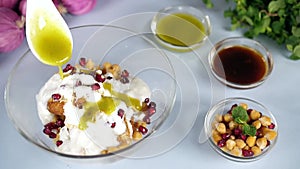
[280, 93]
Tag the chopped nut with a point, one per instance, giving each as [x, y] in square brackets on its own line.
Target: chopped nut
[79, 102]
[56, 107]
[90, 64]
[251, 141]
[221, 128]
[137, 135]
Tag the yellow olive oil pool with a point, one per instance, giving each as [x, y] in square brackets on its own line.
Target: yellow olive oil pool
[180, 29]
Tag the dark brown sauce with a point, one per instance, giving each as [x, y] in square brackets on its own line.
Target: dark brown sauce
[240, 65]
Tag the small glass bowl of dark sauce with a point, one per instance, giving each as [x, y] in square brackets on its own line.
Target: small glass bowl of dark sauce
[240, 62]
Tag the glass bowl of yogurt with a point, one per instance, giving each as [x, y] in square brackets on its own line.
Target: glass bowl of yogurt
[116, 91]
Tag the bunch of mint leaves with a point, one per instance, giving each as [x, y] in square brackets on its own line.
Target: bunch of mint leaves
[240, 116]
[277, 19]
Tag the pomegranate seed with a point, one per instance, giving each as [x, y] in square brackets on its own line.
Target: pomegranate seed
[95, 86]
[99, 78]
[52, 135]
[152, 104]
[151, 111]
[147, 120]
[124, 73]
[225, 136]
[222, 143]
[271, 126]
[249, 111]
[47, 131]
[113, 125]
[243, 137]
[58, 143]
[268, 143]
[121, 113]
[124, 80]
[237, 131]
[147, 100]
[259, 134]
[56, 96]
[247, 153]
[143, 129]
[50, 125]
[60, 123]
[68, 68]
[82, 61]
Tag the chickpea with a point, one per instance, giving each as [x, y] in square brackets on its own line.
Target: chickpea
[240, 143]
[255, 115]
[219, 118]
[271, 135]
[232, 125]
[251, 141]
[230, 144]
[216, 137]
[236, 151]
[227, 117]
[244, 105]
[221, 128]
[265, 121]
[261, 142]
[256, 150]
[256, 124]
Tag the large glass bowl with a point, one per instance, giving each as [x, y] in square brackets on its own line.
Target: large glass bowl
[130, 50]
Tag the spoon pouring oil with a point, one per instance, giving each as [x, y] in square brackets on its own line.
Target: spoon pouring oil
[48, 36]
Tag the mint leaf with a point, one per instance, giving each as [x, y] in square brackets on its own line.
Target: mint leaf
[249, 130]
[239, 114]
[274, 6]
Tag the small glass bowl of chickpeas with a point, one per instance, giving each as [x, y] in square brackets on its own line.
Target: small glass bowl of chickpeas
[241, 129]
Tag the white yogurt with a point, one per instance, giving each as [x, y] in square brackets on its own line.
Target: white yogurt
[99, 135]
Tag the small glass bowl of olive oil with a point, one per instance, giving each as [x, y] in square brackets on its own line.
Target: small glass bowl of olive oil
[181, 28]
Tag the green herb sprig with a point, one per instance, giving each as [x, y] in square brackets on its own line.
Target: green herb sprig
[240, 116]
[277, 19]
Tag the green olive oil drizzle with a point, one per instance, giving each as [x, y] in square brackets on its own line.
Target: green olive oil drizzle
[106, 105]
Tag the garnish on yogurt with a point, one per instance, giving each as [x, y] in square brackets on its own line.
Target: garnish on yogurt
[240, 116]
